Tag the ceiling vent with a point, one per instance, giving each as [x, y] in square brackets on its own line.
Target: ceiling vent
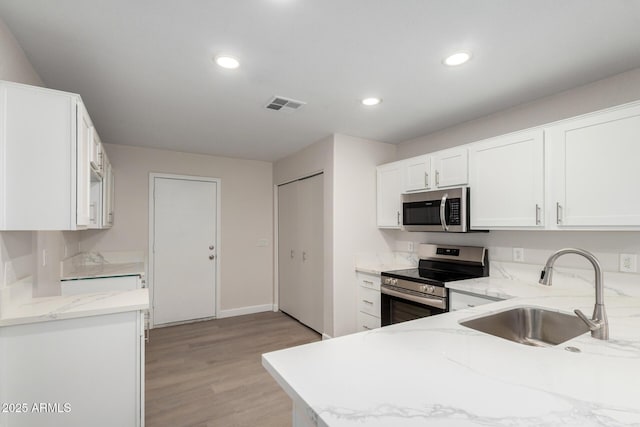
[279, 103]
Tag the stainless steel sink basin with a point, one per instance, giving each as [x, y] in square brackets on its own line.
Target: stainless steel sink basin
[530, 326]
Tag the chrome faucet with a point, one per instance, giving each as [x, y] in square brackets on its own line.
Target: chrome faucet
[598, 324]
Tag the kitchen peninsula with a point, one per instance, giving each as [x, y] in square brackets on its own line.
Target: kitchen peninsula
[433, 371]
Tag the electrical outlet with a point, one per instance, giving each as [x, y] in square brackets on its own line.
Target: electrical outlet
[518, 254]
[628, 263]
[410, 246]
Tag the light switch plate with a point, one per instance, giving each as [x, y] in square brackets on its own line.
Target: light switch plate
[518, 254]
[262, 243]
[629, 263]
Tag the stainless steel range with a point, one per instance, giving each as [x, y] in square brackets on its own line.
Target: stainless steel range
[420, 292]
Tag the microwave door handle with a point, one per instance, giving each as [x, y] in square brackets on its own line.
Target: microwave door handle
[443, 219]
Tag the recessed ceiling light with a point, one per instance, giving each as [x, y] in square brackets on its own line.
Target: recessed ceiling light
[369, 102]
[226, 61]
[457, 58]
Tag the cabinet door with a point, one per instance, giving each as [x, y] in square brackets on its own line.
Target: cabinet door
[594, 171]
[507, 181]
[108, 194]
[96, 156]
[83, 177]
[389, 206]
[38, 158]
[451, 167]
[417, 172]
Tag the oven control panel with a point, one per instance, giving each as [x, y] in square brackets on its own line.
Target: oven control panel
[448, 251]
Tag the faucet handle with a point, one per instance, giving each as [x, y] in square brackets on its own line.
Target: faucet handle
[593, 326]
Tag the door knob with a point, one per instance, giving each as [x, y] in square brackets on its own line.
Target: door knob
[211, 247]
[212, 256]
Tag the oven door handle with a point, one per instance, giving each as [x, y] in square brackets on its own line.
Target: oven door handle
[432, 302]
[443, 218]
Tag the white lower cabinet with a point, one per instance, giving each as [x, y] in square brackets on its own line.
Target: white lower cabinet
[459, 300]
[80, 372]
[368, 301]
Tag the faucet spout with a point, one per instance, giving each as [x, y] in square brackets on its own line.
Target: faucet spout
[598, 324]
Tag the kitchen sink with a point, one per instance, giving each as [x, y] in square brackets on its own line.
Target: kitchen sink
[532, 326]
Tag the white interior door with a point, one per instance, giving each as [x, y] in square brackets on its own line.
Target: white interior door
[288, 250]
[184, 239]
[301, 251]
[311, 231]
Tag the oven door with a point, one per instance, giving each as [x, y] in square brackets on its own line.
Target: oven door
[398, 306]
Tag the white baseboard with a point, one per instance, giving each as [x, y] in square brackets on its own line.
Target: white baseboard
[244, 310]
[326, 337]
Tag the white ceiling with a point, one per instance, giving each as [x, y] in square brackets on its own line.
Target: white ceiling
[145, 72]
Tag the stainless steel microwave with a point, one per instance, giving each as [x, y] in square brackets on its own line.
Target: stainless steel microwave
[439, 210]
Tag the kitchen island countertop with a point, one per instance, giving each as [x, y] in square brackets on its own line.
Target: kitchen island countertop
[435, 372]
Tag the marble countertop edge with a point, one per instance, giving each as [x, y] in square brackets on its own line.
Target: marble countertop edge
[45, 309]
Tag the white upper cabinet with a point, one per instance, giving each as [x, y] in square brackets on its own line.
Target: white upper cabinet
[83, 168]
[506, 180]
[594, 170]
[45, 150]
[389, 207]
[450, 167]
[417, 173]
[108, 193]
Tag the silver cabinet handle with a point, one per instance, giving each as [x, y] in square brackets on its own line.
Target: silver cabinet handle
[426, 180]
[368, 281]
[366, 327]
[398, 217]
[304, 256]
[367, 302]
[437, 178]
[212, 256]
[537, 214]
[443, 219]
[558, 213]
[292, 253]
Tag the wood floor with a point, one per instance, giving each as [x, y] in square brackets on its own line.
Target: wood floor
[210, 373]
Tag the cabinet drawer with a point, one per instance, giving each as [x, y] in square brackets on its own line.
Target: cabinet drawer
[461, 300]
[369, 281]
[367, 322]
[369, 301]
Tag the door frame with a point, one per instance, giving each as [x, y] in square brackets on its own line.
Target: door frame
[152, 177]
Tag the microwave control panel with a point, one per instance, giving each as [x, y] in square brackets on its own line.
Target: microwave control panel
[454, 212]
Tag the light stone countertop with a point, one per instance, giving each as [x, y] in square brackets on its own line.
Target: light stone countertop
[44, 309]
[94, 271]
[435, 372]
[376, 269]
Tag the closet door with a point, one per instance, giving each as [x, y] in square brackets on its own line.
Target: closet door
[311, 232]
[300, 250]
[288, 250]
